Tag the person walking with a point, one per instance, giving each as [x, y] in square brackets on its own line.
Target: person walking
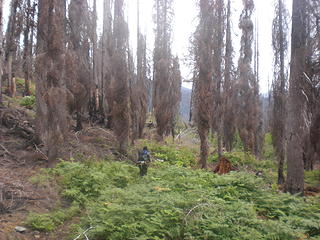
[143, 161]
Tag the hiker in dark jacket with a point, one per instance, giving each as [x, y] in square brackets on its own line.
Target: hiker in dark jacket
[143, 161]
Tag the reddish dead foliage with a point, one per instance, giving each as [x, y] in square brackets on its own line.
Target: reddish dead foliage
[224, 166]
[311, 191]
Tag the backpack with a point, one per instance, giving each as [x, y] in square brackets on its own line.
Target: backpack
[144, 156]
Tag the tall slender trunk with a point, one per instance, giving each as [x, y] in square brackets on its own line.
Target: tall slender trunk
[120, 113]
[10, 75]
[107, 53]
[1, 50]
[295, 177]
[281, 157]
[94, 55]
[11, 45]
[204, 84]
[218, 72]
[26, 51]
[142, 89]
[51, 94]
[228, 101]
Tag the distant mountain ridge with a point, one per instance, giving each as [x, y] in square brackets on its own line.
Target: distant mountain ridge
[185, 103]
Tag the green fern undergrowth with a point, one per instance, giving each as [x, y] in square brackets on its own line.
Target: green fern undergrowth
[174, 202]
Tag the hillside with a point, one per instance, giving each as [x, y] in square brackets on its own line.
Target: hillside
[94, 192]
[100, 141]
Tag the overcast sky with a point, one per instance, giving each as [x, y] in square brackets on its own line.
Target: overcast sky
[184, 24]
[185, 21]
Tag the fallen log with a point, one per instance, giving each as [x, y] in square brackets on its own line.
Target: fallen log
[17, 122]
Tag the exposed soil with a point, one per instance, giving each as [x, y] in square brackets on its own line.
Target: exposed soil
[21, 159]
[18, 162]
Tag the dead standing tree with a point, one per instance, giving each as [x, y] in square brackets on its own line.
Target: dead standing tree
[228, 88]
[120, 111]
[50, 65]
[134, 98]
[246, 81]
[297, 101]
[162, 60]
[1, 50]
[218, 43]
[280, 47]
[312, 85]
[142, 78]
[107, 53]
[204, 86]
[142, 83]
[13, 31]
[27, 49]
[79, 57]
[174, 94]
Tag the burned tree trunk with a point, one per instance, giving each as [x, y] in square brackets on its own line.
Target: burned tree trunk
[79, 48]
[50, 65]
[27, 46]
[218, 74]
[134, 99]
[204, 83]
[11, 45]
[297, 105]
[1, 50]
[142, 83]
[120, 111]
[279, 87]
[162, 60]
[142, 78]
[246, 91]
[175, 95]
[107, 53]
[228, 88]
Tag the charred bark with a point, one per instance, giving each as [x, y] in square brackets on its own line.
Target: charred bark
[51, 95]
[120, 111]
[1, 50]
[297, 105]
[204, 83]
[280, 47]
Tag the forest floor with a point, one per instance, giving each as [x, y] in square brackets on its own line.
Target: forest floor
[20, 160]
[63, 202]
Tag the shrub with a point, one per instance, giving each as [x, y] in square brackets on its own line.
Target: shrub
[49, 221]
[28, 102]
[172, 154]
[268, 150]
[179, 203]
[312, 178]
[21, 86]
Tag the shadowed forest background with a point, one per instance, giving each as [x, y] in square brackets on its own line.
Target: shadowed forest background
[228, 162]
